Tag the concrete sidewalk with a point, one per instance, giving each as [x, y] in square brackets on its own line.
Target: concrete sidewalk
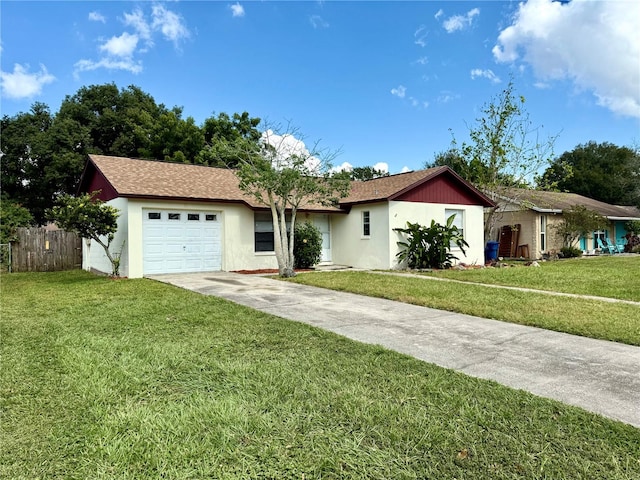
[599, 376]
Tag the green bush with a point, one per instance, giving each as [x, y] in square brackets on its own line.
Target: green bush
[429, 247]
[570, 252]
[307, 246]
[12, 216]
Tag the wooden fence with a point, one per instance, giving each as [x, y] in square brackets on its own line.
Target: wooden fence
[40, 250]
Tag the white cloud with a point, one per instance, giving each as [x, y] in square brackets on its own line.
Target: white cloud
[420, 36]
[345, 167]
[488, 74]
[446, 97]
[127, 64]
[438, 14]
[119, 52]
[169, 23]
[237, 10]
[136, 20]
[122, 46]
[287, 146]
[405, 169]
[422, 61]
[318, 22]
[460, 22]
[97, 17]
[22, 84]
[399, 92]
[594, 44]
[381, 167]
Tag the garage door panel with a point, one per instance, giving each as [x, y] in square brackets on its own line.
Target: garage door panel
[181, 245]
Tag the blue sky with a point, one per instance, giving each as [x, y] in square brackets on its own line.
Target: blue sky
[383, 82]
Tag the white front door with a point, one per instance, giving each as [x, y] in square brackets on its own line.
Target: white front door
[180, 241]
[323, 224]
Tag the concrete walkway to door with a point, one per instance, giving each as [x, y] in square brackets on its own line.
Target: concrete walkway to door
[599, 376]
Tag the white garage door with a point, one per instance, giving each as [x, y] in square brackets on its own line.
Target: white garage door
[180, 241]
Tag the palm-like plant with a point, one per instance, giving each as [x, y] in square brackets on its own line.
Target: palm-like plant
[430, 247]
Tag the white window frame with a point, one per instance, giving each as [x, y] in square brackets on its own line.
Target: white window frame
[366, 224]
[543, 233]
[458, 221]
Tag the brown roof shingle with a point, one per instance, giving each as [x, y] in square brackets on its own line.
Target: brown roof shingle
[155, 179]
[540, 200]
[382, 188]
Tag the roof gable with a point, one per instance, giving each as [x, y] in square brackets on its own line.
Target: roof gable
[433, 185]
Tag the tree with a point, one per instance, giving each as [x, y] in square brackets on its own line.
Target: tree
[90, 218]
[25, 155]
[504, 151]
[430, 247]
[602, 171]
[367, 173]
[284, 176]
[225, 137]
[578, 221]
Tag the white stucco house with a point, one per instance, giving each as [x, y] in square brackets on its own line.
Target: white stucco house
[188, 218]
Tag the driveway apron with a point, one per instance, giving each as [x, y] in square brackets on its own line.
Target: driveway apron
[599, 376]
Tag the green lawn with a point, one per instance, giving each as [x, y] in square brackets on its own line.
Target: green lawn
[134, 379]
[605, 276]
[590, 318]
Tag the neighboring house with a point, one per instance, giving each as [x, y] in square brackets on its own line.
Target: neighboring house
[187, 218]
[536, 212]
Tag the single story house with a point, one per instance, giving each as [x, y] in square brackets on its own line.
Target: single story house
[536, 212]
[188, 218]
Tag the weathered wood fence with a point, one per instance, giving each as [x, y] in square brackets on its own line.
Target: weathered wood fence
[40, 250]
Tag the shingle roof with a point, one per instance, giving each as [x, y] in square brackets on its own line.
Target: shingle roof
[382, 188]
[540, 200]
[155, 179]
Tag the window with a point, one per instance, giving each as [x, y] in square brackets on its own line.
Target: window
[153, 215]
[366, 224]
[263, 228]
[543, 233]
[263, 231]
[458, 220]
[599, 235]
[209, 217]
[174, 216]
[193, 216]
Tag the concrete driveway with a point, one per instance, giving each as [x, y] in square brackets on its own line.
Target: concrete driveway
[599, 376]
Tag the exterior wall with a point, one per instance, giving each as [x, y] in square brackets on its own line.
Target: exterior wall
[530, 229]
[94, 256]
[351, 248]
[380, 249]
[423, 213]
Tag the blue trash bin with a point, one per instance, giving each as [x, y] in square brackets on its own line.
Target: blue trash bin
[491, 251]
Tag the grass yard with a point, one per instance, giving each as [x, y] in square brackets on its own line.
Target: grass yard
[134, 379]
[604, 276]
[590, 318]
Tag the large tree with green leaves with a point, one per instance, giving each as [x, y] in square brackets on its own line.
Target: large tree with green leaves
[602, 171]
[284, 175]
[44, 154]
[504, 150]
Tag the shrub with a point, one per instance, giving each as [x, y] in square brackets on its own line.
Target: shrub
[570, 252]
[307, 246]
[12, 216]
[429, 247]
